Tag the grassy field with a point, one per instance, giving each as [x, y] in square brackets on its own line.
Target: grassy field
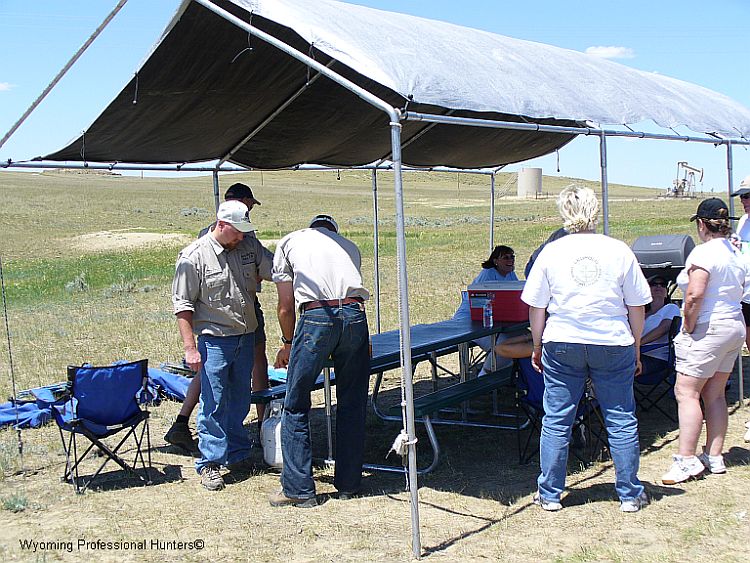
[76, 294]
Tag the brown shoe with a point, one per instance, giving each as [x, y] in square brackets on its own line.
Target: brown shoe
[278, 498]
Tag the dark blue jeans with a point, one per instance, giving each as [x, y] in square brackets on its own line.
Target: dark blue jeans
[340, 333]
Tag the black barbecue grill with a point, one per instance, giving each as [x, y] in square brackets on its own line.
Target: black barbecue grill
[663, 255]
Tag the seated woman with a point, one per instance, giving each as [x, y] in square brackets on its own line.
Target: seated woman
[659, 315]
[499, 266]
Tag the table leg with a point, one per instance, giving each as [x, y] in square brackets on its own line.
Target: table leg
[329, 422]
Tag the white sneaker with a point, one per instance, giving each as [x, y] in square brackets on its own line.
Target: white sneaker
[713, 463]
[683, 469]
[747, 434]
[548, 505]
[635, 504]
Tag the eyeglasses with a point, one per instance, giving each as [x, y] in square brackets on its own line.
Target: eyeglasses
[508, 257]
[745, 196]
[658, 284]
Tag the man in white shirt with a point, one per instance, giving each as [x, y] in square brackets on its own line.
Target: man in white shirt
[317, 272]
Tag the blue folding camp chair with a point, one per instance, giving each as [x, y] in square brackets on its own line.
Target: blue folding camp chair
[655, 389]
[105, 401]
[588, 425]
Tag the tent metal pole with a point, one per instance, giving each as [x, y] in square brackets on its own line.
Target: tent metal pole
[376, 250]
[405, 335]
[492, 212]
[116, 166]
[302, 57]
[516, 126]
[217, 200]
[605, 183]
[730, 182]
[730, 189]
[63, 71]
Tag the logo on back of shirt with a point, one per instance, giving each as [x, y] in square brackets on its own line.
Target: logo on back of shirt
[585, 271]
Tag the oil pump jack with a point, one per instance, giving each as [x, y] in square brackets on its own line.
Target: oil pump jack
[684, 184]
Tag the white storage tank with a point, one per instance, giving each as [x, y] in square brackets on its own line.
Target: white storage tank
[529, 182]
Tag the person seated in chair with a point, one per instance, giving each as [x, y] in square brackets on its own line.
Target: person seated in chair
[499, 266]
[659, 315]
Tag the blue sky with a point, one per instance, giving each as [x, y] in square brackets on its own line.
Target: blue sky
[705, 42]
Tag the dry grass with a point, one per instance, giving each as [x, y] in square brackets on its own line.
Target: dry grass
[475, 506]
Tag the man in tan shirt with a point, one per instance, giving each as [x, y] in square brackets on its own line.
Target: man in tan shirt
[179, 433]
[213, 293]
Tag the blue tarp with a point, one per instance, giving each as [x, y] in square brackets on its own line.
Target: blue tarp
[162, 384]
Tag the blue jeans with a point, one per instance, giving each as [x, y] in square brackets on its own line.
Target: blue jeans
[341, 333]
[225, 398]
[611, 369]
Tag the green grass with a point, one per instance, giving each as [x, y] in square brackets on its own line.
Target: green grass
[31, 281]
[114, 317]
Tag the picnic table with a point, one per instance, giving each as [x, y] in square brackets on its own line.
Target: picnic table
[428, 343]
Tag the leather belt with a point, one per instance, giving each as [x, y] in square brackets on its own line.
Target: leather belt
[330, 303]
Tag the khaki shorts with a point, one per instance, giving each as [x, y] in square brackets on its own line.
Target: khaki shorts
[711, 347]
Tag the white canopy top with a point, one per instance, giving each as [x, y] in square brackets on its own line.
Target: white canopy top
[202, 94]
[459, 68]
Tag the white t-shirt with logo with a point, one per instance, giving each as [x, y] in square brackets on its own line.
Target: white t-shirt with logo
[728, 279]
[585, 282]
[668, 311]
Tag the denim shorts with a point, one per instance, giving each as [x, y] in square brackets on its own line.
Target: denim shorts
[711, 347]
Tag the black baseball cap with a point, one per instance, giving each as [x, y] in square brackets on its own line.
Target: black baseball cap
[712, 208]
[240, 191]
[327, 219]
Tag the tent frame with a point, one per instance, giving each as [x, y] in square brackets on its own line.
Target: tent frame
[395, 118]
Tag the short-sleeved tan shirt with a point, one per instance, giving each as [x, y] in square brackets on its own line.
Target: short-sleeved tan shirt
[219, 285]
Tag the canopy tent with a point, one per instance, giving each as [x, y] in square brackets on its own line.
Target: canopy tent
[277, 83]
[207, 86]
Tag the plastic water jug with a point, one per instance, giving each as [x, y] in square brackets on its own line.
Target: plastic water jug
[487, 319]
[271, 435]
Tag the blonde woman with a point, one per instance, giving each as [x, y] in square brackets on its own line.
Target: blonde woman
[594, 291]
[713, 283]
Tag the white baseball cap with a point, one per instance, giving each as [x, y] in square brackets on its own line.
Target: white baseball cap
[744, 187]
[236, 214]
